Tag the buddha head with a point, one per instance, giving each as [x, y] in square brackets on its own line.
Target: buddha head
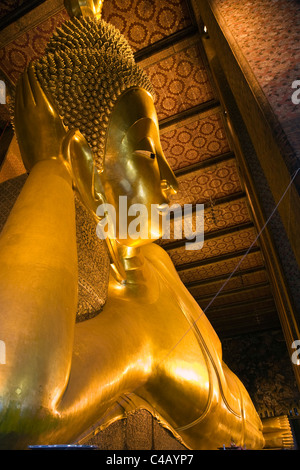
[89, 71]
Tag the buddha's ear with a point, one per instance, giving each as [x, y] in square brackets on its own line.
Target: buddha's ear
[80, 161]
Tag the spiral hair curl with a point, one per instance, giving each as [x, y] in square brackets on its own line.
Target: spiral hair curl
[87, 65]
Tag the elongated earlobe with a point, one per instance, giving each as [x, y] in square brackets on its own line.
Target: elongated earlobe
[86, 180]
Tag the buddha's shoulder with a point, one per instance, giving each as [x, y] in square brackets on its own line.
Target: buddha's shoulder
[158, 257]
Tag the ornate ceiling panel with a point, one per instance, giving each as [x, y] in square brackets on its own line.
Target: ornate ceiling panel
[146, 22]
[198, 140]
[216, 217]
[226, 215]
[241, 240]
[207, 184]
[180, 81]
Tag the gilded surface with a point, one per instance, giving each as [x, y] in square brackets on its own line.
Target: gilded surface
[151, 339]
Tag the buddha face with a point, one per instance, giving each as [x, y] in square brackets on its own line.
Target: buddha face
[135, 168]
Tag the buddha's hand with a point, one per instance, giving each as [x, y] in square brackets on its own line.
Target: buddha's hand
[77, 8]
[39, 129]
[41, 135]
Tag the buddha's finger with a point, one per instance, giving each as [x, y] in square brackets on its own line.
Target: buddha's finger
[38, 93]
[28, 96]
[41, 98]
[19, 101]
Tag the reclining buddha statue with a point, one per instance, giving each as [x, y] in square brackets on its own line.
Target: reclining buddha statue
[88, 133]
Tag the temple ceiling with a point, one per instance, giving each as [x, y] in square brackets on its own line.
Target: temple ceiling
[228, 276]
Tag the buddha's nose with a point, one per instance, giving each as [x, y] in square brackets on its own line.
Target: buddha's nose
[168, 188]
[168, 181]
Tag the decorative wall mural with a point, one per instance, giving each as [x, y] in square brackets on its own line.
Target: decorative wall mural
[262, 361]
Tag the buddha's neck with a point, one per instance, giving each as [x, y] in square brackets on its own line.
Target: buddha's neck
[141, 281]
[133, 262]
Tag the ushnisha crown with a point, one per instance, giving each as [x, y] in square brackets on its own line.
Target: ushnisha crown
[86, 67]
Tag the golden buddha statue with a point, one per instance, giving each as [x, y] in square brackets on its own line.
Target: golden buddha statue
[86, 125]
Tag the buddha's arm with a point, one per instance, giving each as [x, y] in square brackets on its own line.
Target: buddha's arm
[38, 285]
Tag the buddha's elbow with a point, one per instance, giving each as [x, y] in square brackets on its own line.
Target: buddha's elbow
[23, 417]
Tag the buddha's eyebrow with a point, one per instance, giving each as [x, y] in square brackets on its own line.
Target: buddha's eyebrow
[140, 129]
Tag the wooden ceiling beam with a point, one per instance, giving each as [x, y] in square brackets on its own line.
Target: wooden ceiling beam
[165, 43]
[235, 330]
[230, 292]
[172, 39]
[237, 322]
[214, 280]
[242, 316]
[187, 113]
[243, 303]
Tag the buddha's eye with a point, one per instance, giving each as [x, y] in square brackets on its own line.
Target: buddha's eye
[145, 153]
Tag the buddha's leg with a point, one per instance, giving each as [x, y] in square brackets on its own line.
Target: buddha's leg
[205, 403]
[112, 357]
[38, 296]
[193, 390]
[252, 428]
